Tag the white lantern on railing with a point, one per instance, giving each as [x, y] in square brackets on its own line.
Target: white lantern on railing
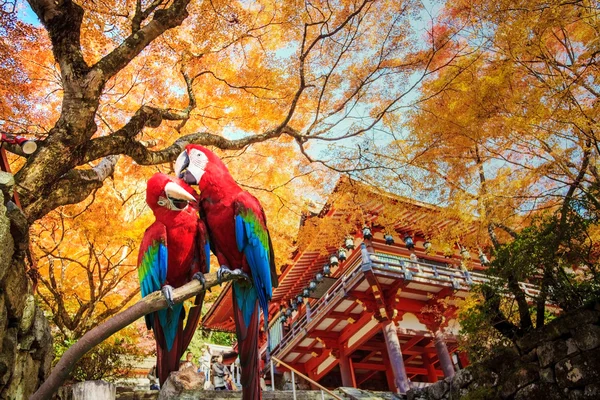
[349, 242]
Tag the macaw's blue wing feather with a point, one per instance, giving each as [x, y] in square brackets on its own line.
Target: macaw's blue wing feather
[152, 272]
[207, 253]
[169, 322]
[252, 239]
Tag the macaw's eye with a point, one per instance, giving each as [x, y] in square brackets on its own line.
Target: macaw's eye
[178, 203]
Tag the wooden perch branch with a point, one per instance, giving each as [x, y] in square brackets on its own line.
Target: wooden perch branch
[153, 302]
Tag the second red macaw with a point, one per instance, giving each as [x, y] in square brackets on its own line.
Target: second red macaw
[240, 239]
[174, 250]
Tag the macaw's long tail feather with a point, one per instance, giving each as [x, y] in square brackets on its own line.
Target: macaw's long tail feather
[167, 359]
[247, 334]
[170, 319]
[192, 321]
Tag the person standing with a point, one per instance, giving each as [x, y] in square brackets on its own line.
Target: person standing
[205, 362]
[219, 373]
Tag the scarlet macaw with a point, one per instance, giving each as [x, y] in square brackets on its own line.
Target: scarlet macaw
[240, 239]
[174, 250]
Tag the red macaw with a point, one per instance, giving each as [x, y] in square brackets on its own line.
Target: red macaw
[240, 239]
[174, 250]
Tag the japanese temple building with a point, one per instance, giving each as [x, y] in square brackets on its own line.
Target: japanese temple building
[382, 316]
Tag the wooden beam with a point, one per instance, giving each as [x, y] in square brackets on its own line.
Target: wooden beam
[377, 292]
[371, 354]
[370, 366]
[411, 343]
[313, 363]
[422, 371]
[351, 329]
[361, 380]
[365, 336]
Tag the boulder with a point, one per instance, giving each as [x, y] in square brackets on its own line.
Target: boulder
[539, 391]
[6, 241]
[180, 381]
[587, 337]
[521, 376]
[551, 352]
[578, 371]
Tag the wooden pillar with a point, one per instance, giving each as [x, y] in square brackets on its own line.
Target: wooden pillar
[389, 374]
[346, 370]
[431, 375]
[443, 354]
[395, 355]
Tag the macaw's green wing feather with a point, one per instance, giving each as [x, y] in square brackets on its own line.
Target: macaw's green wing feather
[152, 272]
[252, 238]
[152, 262]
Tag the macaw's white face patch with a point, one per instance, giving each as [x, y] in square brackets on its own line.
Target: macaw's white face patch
[198, 159]
[198, 163]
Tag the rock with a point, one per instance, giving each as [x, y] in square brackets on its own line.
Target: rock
[7, 357]
[19, 227]
[3, 319]
[28, 314]
[592, 391]
[44, 350]
[6, 241]
[438, 390]
[179, 381]
[25, 351]
[530, 357]
[587, 337]
[462, 379]
[7, 184]
[551, 352]
[578, 371]
[25, 377]
[576, 394]
[557, 328]
[15, 286]
[571, 346]
[520, 377]
[94, 390]
[547, 375]
[539, 391]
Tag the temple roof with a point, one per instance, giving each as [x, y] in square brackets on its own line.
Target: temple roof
[410, 216]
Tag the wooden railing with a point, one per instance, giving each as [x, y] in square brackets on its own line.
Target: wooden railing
[337, 289]
[295, 371]
[408, 270]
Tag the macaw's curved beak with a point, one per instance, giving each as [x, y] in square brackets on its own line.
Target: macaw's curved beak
[181, 164]
[174, 191]
[186, 170]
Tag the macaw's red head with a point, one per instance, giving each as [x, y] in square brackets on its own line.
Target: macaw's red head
[167, 193]
[197, 165]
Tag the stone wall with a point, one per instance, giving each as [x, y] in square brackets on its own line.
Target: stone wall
[25, 339]
[559, 361]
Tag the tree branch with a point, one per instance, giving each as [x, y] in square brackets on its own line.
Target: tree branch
[72, 188]
[163, 20]
[151, 303]
[62, 19]
[120, 144]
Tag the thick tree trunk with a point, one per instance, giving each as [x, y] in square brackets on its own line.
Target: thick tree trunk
[26, 347]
